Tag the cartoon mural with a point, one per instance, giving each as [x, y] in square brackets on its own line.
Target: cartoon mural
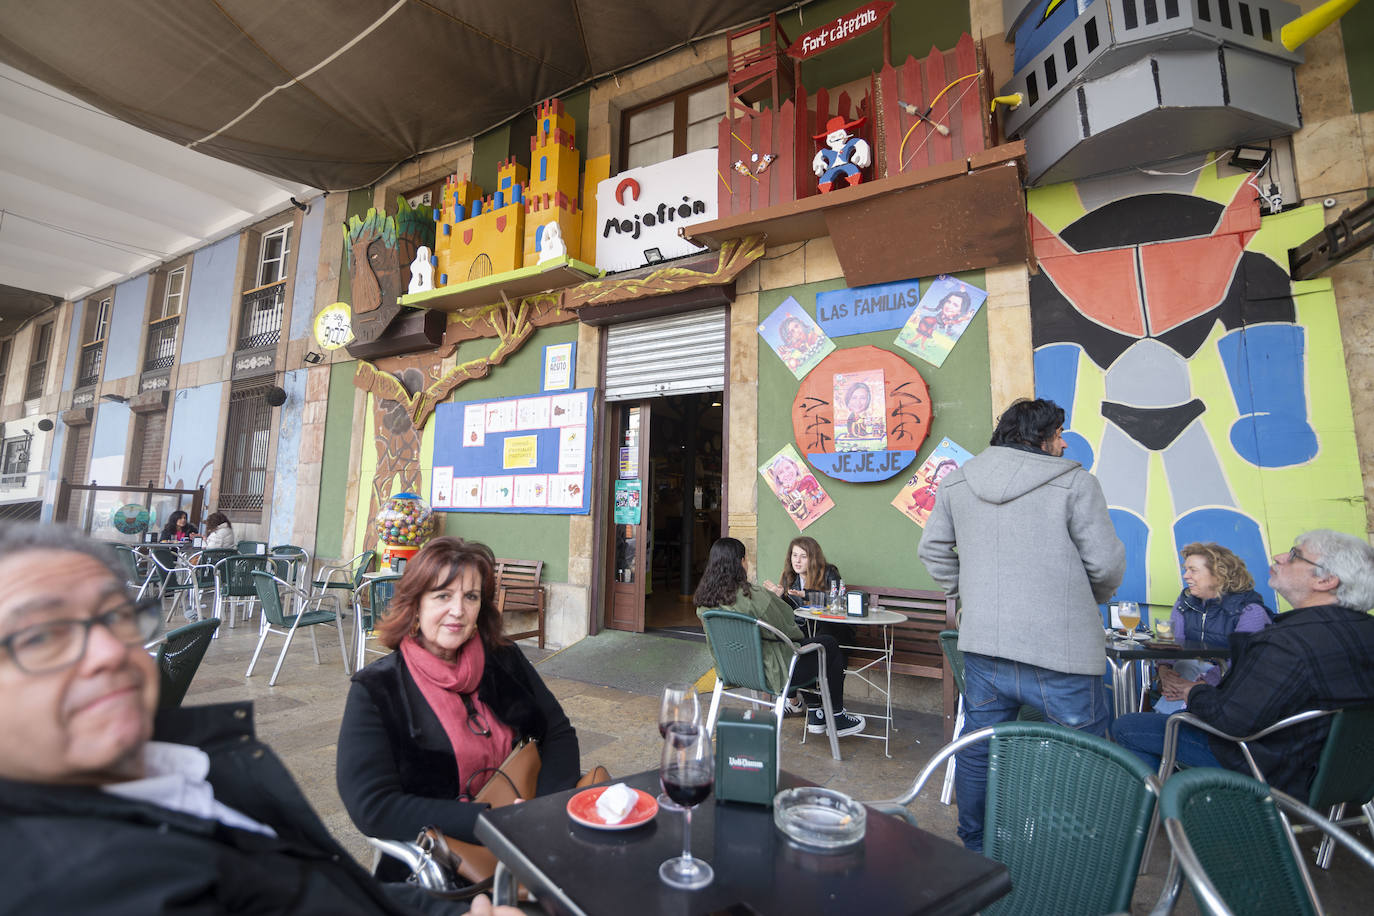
[1165, 323]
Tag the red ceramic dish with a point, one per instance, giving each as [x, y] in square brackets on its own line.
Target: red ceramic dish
[582, 808]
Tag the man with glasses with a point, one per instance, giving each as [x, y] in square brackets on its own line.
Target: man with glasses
[104, 810]
[1320, 655]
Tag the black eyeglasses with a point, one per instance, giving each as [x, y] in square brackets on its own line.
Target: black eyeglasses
[57, 644]
[1295, 554]
[476, 724]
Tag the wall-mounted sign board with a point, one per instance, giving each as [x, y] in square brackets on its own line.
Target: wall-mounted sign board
[527, 454]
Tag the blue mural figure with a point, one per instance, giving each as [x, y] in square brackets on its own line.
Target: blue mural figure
[1137, 285]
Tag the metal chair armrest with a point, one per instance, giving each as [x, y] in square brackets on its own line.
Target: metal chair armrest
[949, 750]
[895, 810]
[1326, 825]
[785, 639]
[1179, 719]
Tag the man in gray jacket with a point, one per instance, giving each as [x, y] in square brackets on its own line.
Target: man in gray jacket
[1022, 537]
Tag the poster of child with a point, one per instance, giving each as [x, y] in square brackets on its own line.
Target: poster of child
[940, 319]
[860, 408]
[795, 487]
[795, 337]
[917, 496]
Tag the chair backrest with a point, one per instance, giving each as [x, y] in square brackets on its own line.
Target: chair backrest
[1236, 834]
[266, 586]
[1067, 813]
[250, 548]
[949, 644]
[1344, 772]
[165, 560]
[364, 565]
[236, 575]
[737, 645]
[128, 561]
[178, 658]
[378, 593]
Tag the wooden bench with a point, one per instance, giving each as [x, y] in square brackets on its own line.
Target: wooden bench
[519, 589]
[916, 643]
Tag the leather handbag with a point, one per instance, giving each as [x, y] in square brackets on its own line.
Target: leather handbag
[516, 779]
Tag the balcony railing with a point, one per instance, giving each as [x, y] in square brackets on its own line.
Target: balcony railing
[162, 344]
[260, 322]
[88, 371]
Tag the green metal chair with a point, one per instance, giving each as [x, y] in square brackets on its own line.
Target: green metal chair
[736, 643]
[347, 576]
[949, 645]
[178, 657]
[276, 620]
[293, 563]
[185, 581]
[236, 583]
[252, 548]
[1066, 813]
[370, 605]
[134, 576]
[1230, 835]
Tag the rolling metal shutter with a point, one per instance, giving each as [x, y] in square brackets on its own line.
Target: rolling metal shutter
[675, 354]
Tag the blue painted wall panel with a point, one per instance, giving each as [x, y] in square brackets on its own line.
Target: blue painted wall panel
[122, 356]
[192, 448]
[288, 420]
[307, 266]
[211, 301]
[110, 438]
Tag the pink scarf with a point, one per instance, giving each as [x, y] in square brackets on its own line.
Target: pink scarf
[443, 685]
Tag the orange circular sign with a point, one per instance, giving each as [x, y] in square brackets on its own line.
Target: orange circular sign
[843, 428]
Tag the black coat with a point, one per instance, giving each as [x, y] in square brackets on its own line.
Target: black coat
[81, 850]
[396, 769]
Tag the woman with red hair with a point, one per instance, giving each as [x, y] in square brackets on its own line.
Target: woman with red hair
[426, 726]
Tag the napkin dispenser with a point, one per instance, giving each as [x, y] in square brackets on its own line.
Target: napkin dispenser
[746, 756]
[856, 604]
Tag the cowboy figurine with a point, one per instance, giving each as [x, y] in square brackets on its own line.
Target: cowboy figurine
[844, 156]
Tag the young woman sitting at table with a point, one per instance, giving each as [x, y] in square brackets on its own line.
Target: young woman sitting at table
[219, 534]
[725, 586]
[424, 727]
[178, 527]
[806, 569]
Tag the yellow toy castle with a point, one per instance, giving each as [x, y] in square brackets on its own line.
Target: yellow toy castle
[478, 236]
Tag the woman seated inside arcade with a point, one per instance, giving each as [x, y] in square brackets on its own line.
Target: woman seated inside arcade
[725, 586]
[426, 726]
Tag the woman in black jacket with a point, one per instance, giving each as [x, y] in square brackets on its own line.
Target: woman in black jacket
[423, 725]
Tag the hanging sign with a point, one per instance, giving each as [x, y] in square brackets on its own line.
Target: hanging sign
[641, 210]
[883, 307]
[334, 326]
[851, 25]
[861, 414]
[627, 495]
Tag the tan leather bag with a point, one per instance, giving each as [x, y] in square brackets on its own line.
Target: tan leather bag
[516, 778]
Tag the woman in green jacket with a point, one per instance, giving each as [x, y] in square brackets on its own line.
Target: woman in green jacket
[725, 586]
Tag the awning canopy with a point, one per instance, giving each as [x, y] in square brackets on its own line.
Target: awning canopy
[314, 94]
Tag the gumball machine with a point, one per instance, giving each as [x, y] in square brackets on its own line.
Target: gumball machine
[404, 523]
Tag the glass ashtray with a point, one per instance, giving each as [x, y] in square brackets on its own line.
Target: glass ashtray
[819, 818]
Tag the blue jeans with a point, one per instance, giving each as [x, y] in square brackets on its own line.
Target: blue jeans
[1142, 733]
[995, 689]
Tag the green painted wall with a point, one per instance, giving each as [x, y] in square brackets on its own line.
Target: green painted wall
[917, 26]
[338, 450]
[869, 540]
[539, 537]
[1357, 33]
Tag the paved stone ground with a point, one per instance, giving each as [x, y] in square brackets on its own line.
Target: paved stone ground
[618, 729]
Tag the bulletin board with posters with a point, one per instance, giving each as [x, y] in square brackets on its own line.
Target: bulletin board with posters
[527, 454]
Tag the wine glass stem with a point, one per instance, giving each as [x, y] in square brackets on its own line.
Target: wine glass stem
[686, 835]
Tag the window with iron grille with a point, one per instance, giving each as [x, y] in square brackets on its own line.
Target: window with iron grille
[38, 363]
[14, 462]
[164, 320]
[682, 123]
[96, 328]
[261, 316]
[246, 440]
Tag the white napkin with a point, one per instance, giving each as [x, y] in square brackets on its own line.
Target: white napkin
[616, 803]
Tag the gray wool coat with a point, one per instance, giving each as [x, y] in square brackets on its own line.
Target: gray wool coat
[1023, 539]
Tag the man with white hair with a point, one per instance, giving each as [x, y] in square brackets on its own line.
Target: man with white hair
[109, 805]
[1320, 655]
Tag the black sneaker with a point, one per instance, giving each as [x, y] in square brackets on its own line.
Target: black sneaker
[846, 723]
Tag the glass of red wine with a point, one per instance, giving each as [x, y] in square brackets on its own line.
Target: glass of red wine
[687, 772]
[680, 706]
